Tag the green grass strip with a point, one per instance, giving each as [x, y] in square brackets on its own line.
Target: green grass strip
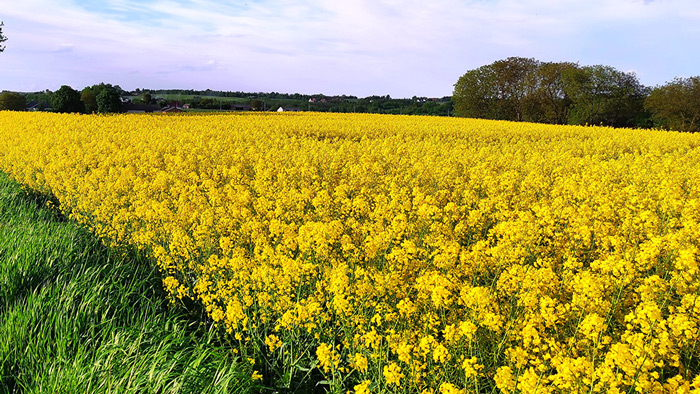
[79, 317]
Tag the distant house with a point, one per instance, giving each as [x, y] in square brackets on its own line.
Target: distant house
[33, 106]
[289, 109]
[241, 107]
[139, 108]
[186, 106]
[171, 109]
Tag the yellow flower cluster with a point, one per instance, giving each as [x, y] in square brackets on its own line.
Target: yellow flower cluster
[399, 253]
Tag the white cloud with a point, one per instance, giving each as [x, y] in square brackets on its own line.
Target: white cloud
[357, 47]
[64, 48]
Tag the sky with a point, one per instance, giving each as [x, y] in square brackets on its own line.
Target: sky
[356, 47]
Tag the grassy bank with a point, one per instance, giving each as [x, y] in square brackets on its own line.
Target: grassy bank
[77, 317]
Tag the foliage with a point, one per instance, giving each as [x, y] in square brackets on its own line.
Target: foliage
[10, 101]
[67, 99]
[502, 90]
[473, 94]
[520, 89]
[603, 95]
[548, 101]
[397, 253]
[89, 99]
[514, 81]
[108, 98]
[676, 105]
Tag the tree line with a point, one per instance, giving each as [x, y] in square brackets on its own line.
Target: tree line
[100, 98]
[525, 89]
[106, 98]
[260, 101]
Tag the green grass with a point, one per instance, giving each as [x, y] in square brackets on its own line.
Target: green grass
[78, 317]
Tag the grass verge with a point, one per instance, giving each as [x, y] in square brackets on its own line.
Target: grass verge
[78, 317]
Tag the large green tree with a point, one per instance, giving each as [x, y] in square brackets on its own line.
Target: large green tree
[515, 80]
[10, 101]
[2, 37]
[604, 95]
[67, 99]
[474, 93]
[108, 98]
[522, 89]
[548, 101]
[676, 105]
[89, 99]
[496, 91]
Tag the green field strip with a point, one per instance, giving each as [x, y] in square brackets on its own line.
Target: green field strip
[79, 317]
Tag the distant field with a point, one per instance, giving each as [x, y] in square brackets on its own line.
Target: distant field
[188, 98]
[270, 104]
[400, 253]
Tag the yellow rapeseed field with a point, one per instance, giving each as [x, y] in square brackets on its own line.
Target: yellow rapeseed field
[397, 253]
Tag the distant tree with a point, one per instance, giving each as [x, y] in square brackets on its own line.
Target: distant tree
[604, 95]
[548, 102]
[108, 99]
[256, 105]
[676, 105]
[89, 99]
[2, 37]
[522, 89]
[10, 101]
[496, 91]
[208, 103]
[147, 98]
[67, 99]
[515, 80]
[474, 93]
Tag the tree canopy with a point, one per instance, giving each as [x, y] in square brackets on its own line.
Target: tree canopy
[89, 99]
[522, 89]
[108, 98]
[67, 99]
[10, 101]
[103, 98]
[549, 102]
[513, 89]
[604, 95]
[676, 105]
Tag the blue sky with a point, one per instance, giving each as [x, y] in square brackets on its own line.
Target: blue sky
[356, 47]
